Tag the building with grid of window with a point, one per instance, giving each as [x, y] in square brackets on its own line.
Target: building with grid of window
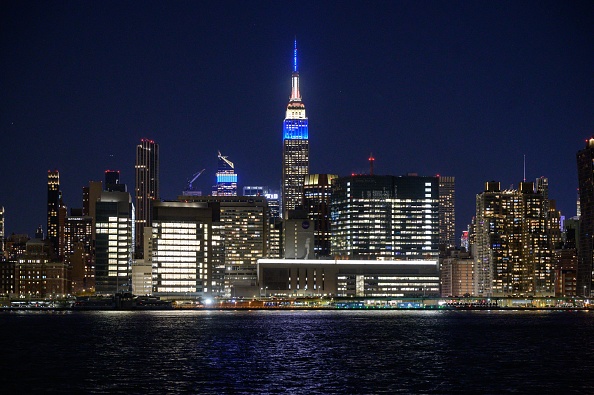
[349, 278]
[182, 249]
[385, 217]
[244, 232]
[513, 242]
[114, 244]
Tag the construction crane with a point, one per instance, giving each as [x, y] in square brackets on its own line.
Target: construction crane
[190, 187]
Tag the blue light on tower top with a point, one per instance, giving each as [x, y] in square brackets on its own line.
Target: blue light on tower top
[295, 129]
[295, 57]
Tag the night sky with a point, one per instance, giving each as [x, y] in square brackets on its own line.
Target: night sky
[458, 88]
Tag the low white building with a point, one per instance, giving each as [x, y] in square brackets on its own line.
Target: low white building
[345, 278]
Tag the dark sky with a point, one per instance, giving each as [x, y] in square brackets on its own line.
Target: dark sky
[460, 88]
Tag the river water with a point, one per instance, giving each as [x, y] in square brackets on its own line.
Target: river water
[297, 352]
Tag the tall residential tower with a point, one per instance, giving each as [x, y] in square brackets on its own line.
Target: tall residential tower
[585, 267]
[147, 186]
[295, 146]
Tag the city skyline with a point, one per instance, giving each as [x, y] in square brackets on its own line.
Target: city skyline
[467, 99]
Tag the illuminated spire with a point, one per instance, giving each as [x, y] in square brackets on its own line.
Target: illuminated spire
[295, 94]
[295, 56]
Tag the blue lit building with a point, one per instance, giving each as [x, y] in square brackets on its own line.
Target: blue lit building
[295, 146]
[226, 178]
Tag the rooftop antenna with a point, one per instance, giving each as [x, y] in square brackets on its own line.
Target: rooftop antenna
[371, 159]
[295, 55]
[524, 167]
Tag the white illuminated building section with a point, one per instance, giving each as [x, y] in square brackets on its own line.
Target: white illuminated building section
[179, 257]
[119, 235]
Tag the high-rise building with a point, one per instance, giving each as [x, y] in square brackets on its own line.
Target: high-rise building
[114, 244]
[226, 178]
[112, 181]
[513, 243]
[585, 267]
[317, 190]
[1, 232]
[447, 213]
[147, 186]
[243, 235]
[385, 217]
[78, 253]
[295, 146]
[181, 250]
[53, 209]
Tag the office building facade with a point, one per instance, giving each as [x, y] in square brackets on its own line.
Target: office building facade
[385, 217]
[243, 235]
[349, 278]
[114, 244]
[181, 248]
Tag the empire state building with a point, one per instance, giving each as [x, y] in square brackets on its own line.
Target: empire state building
[295, 146]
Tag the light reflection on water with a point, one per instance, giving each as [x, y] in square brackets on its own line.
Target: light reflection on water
[298, 352]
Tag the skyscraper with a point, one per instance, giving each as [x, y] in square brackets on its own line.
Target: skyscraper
[1, 232]
[295, 146]
[317, 192]
[147, 186]
[585, 267]
[513, 243]
[447, 213]
[385, 217]
[226, 178]
[114, 245]
[53, 208]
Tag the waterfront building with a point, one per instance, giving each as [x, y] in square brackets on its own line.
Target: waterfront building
[38, 275]
[54, 196]
[566, 273]
[317, 190]
[457, 274]
[142, 274]
[447, 213]
[349, 278]
[182, 248]
[244, 231]
[226, 177]
[7, 278]
[295, 145]
[147, 186]
[585, 268]
[114, 244]
[385, 217]
[79, 253]
[513, 243]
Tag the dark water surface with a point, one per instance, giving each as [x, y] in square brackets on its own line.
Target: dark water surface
[297, 352]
